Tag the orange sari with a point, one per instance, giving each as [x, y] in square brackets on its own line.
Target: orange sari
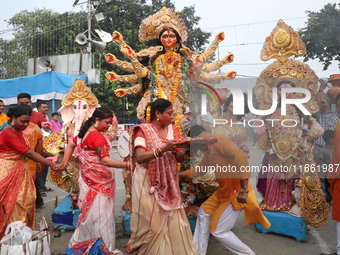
[18, 195]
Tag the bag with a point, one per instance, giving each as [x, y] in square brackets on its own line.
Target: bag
[18, 240]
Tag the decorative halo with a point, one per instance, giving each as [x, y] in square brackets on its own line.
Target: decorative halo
[282, 43]
[52, 143]
[151, 26]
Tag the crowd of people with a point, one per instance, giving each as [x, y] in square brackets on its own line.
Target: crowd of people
[162, 145]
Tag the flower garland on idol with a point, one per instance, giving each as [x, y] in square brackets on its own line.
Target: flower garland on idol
[165, 65]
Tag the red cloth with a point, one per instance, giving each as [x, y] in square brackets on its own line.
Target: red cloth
[97, 176]
[16, 182]
[95, 141]
[37, 118]
[12, 140]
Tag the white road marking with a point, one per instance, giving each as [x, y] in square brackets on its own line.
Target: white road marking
[320, 241]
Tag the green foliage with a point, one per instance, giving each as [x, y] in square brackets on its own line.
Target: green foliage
[44, 32]
[322, 35]
[124, 108]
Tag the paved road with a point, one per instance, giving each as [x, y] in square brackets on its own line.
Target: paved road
[318, 240]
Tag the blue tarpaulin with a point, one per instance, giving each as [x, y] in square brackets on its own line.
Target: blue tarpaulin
[44, 86]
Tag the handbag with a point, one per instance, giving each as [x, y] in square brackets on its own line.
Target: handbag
[21, 240]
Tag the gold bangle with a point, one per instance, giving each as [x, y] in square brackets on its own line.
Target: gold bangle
[244, 191]
[154, 153]
[159, 152]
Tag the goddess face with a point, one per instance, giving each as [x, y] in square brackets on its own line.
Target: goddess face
[168, 39]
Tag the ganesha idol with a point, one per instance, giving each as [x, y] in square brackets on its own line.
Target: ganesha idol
[77, 106]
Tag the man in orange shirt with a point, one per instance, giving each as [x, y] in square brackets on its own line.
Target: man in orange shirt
[219, 212]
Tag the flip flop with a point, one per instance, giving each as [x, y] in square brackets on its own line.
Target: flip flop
[43, 194]
[48, 189]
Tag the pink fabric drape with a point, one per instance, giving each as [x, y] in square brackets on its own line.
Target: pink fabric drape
[162, 171]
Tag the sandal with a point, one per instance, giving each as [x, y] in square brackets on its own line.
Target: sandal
[43, 194]
[48, 189]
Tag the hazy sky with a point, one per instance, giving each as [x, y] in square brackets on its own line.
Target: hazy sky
[246, 25]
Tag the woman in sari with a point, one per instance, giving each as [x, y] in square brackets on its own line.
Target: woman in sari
[17, 188]
[97, 182]
[159, 224]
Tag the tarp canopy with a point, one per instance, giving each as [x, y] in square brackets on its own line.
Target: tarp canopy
[44, 86]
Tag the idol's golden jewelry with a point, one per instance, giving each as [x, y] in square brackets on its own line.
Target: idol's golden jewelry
[112, 76]
[134, 89]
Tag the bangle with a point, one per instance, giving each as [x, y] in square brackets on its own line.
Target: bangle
[244, 191]
[159, 152]
[154, 153]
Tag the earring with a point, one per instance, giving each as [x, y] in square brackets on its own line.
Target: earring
[96, 125]
[176, 47]
[157, 118]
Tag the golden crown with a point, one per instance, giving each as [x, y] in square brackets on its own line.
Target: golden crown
[79, 91]
[151, 26]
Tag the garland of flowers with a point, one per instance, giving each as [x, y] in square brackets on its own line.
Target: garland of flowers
[168, 63]
[177, 79]
[148, 114]
[177, 123]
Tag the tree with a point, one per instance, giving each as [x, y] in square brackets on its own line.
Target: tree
[44, 32]
[39, 33]
[322, 35]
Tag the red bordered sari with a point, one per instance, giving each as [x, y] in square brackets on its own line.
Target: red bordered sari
[159, 224]
[17, 190]
[97, 190]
